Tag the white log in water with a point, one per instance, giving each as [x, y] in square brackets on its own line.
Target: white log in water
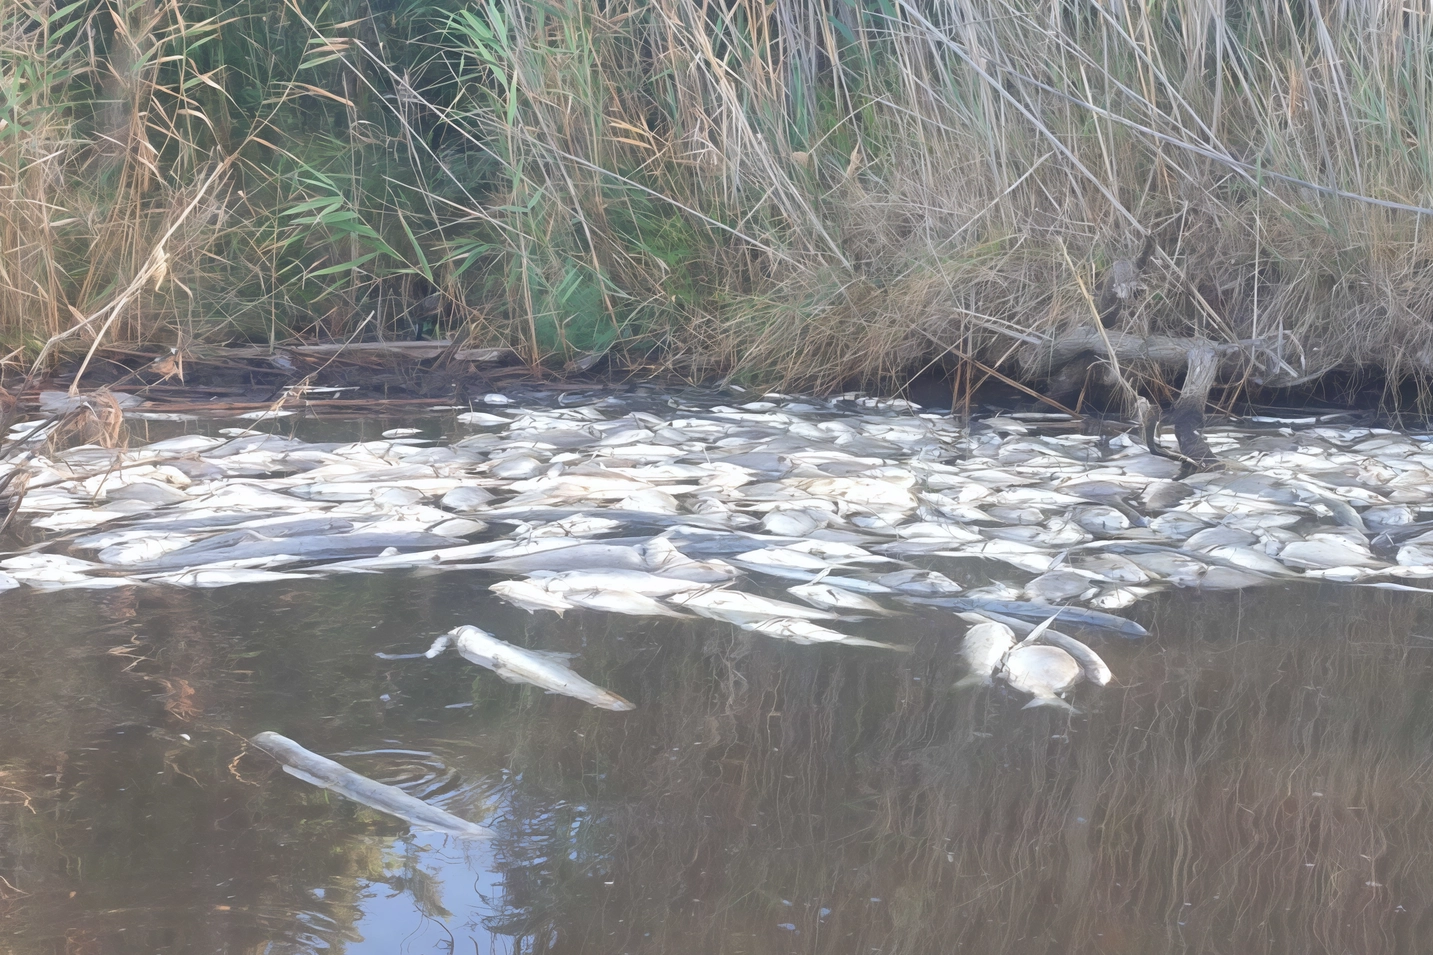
[326, 774]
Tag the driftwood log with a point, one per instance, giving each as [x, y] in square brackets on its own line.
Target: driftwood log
[1068, 357]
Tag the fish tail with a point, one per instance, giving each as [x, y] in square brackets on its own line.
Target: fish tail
[1053, 701]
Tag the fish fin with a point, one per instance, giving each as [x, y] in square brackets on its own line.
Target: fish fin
[556, 656]
[439, 645]
[1039, 630]
[969, 680]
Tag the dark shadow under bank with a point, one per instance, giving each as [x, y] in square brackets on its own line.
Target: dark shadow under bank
[1257, 780]
[940, 388]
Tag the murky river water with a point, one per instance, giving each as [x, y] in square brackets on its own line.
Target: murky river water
[1257, 780]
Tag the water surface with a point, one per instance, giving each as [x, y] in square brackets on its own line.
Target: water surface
[1257, 780]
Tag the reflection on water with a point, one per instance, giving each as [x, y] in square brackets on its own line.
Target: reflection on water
[1257, 781]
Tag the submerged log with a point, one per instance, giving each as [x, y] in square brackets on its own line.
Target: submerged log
[1187, 413]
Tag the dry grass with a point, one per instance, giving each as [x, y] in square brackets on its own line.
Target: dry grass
[800, 193]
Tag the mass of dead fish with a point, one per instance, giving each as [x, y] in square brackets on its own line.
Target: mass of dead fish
[786, 517]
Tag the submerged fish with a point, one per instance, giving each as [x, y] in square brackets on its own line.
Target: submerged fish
[798, 630]
[326, 774]
[528, 596]
[742, 609]
[827, 597]
[983, 648]
[1075, 616]
[630, 581]
[515, 664]
[620, 601]
[1092, 666]
[1043, 672]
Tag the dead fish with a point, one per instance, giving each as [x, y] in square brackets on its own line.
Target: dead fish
[779, 562]
[925, 583]
[1094, 668]
[548, 671]
[1020, 611]
[742, 609]
[1118, 598]
[227, 577]
[1057, 585]
[1043, 672]
[327, 774]
[828, 597]
[1321, 551]
[802, 631]
[629, 581]
[620, 601]
[528, 596]
[560, 554]
[984, 646]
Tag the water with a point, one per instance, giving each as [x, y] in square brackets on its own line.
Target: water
[1256, 781]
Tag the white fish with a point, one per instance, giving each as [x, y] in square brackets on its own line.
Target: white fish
[780, 562]
[466, 497]
[327, 774]
[858, 584]
[828, 597]
[1118, 598]
[548, 671]
[528, 596]
[224, 578]
[802, 631]
[741, 609]
[1113, 567]
[1091, 664]
[917, 582]
[619, 601]
[143, 549]
[483, 418]
[1063, 584]
[1322, 551]
[1043, 672]
[578, 525]
[984, 646]
[632, 581]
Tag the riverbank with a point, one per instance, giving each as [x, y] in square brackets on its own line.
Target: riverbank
[805, 198]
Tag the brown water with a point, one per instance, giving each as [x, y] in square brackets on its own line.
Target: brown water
[1258, 780]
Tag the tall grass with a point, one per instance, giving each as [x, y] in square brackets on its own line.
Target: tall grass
[800, 191]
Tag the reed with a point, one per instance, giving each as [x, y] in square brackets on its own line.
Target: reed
[801, 193]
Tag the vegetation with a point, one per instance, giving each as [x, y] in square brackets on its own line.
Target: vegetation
[800, 191]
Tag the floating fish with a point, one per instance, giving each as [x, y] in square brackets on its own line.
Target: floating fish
[1043, 672]
[827, 597]
[984, 647]
[327, 774]
[799, 630]
[620, 601]
[741, 608]
[529, 596]
[513, 664]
